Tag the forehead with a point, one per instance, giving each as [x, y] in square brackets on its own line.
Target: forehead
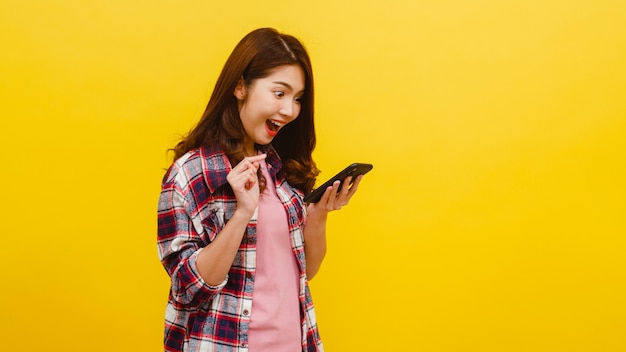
[289, 75]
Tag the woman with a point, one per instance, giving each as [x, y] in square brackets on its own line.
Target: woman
[234, 233]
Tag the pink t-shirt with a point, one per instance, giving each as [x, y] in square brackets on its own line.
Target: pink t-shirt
[275, 317]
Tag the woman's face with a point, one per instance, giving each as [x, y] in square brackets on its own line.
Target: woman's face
[269, 103]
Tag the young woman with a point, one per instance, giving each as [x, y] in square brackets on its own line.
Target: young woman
[234, 233]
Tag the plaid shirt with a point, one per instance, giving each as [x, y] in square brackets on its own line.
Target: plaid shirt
[195, 203]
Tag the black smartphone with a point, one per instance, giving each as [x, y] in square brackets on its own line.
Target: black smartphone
[353, 170]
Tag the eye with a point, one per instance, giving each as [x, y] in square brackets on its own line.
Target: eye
[279, 94]
[299, 100]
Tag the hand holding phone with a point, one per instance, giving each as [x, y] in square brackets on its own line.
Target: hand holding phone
[353, 170]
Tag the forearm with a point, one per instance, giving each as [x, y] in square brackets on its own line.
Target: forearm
[214, 261]
[315, 243]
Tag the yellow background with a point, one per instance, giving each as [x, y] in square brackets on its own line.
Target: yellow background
[493, 219]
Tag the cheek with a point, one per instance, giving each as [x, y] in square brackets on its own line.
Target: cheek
[255, 110]
[296, 109]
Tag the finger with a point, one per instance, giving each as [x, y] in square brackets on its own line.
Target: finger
[355, 186]
[346, 186]
[252, 179]
[335, 190]
[256, 158]
[351, 184]
[243, 179]
[332, 197]
[328, 195]
[251, 162]
[243, 166]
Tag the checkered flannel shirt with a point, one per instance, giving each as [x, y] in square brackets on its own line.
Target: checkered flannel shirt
[195, 203]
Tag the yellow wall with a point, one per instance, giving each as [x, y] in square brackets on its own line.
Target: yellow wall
[493, 219]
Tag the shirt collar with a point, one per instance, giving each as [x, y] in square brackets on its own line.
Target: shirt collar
[215, 161]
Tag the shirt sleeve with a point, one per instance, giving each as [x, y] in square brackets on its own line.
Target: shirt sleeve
[179, 244]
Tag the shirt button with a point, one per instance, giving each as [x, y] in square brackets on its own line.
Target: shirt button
[246, 312]
[244, 345]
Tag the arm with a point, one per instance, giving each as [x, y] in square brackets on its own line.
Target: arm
[198, 272]
[215, 260]
[179, 241]
[314, 241]
[315, 227]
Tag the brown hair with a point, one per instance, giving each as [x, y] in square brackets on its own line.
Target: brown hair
[254, 57]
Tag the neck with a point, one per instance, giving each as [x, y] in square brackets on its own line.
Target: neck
[249, 150]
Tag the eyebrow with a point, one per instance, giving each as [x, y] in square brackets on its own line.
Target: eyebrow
[287, 85]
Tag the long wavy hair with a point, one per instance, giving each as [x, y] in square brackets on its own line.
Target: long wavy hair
[254, 57]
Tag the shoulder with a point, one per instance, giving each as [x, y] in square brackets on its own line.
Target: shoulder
[184, 169]
[208, 164]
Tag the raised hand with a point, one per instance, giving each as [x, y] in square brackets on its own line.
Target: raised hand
[245, 183]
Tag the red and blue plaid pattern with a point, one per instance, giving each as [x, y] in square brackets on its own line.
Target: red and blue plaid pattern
[195, 203]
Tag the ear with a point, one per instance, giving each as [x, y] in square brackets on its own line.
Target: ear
[240, 90]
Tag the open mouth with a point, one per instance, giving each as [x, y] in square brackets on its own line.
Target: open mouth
[272, 127]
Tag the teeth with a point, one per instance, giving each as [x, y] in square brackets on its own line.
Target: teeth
[275, 123]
